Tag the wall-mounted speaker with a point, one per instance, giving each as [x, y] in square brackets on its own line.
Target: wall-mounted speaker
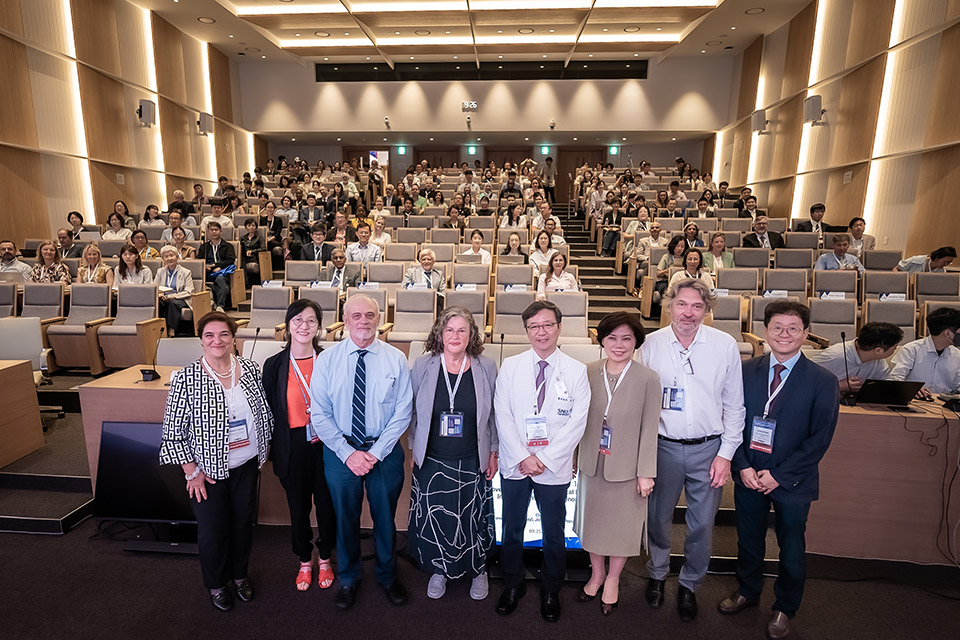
[147, 113]
[205, 124]
[758, 121]
[813, 109]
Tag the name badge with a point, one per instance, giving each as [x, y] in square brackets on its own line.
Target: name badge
[536, 431]
[672, 399]
[417, 285]
[606, 438]
[761, 438]
[451, 424]
[239, 436]
[321, 284]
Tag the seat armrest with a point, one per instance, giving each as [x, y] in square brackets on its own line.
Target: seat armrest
[385, 329]
[149, 333]
[54, 320]
[818, 341]
[97, 323]
[594, 337]
[756, 341]
[279, 330]
[332, 330]
[243, 322]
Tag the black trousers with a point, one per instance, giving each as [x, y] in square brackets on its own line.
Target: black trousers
[225, 525]
[791, 524]
[172, 309]
[306, 488]
[552, 502]
[221, 290]
[550, 192]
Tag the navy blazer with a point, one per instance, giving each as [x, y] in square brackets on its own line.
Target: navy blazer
[806, 411]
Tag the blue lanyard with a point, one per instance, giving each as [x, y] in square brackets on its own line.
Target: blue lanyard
[171, 279]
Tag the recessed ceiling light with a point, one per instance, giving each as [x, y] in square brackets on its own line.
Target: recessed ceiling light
[501, 57]
[417, 68]
[456, 57]
[589, 55]
[733, 28]
[322, 34]
[386, 139]
[206, 20]
[584, 66]
[628, 66]
[458, 66]
[605, 29]
[544, 55]
[574, 139]
[755, 11]
[702, 51]
[525, 30]
[368, 57]
[293, 139]
[500, 66]
[659, 28]
[336, 68]
[326, 58]
[713, 43]
[674, 139]
[499, 30]
[447, 32]
[422, 32]
[252, 49]
[631, 29]
[527, 139]
[297, 34]
[230, 35]
[478, 139]
[636, 55]
[431, 139]
[541, 66]
[411, 57]
[552, 30]
[176, 1]
[263, 57]
[338, 139]
[346, 33]
[623, 139]
[375, 68]
[396, 33]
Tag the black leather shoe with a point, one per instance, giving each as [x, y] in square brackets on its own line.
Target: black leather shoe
[220, 598]
[510, 598]
[244, 589]
[655, 593]
[396, 594]
[550, 606]
[345, 597]
[686, 604]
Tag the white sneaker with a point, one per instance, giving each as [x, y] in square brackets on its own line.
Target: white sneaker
[479, 588]
[437, 586]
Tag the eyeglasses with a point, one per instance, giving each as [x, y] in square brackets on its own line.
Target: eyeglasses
[792, 331]
[685, 362]
[311, 323]
[537, 328]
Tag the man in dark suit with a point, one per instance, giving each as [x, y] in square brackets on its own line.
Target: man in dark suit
[815, 223]
[761, 237]
[339, 272]
[311, 213]
[749, 209]
[390, 200]
[317, 250]
[218, 255]
[792, 408]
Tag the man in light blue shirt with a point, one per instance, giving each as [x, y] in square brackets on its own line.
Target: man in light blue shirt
[362, 404]
[363, 250]
[839, 258]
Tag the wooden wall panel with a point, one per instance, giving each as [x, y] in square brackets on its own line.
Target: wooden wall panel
[10, 17]
[18, 123]
[739, 163]
[23, 207]
[934, 220]
[749, 77]
[709, 149]
[176, 126]
[796, 69]
[856, 119]
[870, 23]
[95, 30]
[223, 136]
[787, 143]
[953, 9]
[104, 117]
[106, 191]
[780, 198]
[168, 51]
[845, 201]
[220, 89]
[943, 125]
[261, 151]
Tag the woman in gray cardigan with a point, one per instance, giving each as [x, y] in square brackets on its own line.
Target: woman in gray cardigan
[454, 440]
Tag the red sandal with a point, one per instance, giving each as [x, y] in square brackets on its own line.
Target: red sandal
[305, 576]
[325, 575]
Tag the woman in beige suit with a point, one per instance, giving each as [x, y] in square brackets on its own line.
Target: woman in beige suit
[617, 457]
[455, 448]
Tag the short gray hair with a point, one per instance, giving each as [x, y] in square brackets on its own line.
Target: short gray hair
[709, 298]
[356, 298]
[169, 248]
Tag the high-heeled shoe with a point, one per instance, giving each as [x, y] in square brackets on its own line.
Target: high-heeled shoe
[606, 608]
[583, 596]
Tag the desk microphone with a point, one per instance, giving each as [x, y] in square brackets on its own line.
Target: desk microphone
[847, 398]
[502, 336]
[151, 374]
[254, 345]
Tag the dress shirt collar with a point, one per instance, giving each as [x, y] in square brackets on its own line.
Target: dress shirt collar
[929, 346]
[373, 347]
[551, 360]
[789, 364]
[697, 338]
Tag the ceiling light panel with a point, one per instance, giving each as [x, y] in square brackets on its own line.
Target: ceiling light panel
[245, 9]
[540, 19]
[381, 6]
[656, 4]
[509, 5]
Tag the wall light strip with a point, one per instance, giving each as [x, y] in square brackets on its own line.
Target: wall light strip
[148, 49]
[817, 42]
[67, 15]
[207, 141]
[718, 157]
[289, 9]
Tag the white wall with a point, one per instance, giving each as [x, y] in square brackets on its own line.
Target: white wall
[679, 95]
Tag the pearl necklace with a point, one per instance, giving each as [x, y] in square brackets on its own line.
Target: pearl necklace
[222, 376]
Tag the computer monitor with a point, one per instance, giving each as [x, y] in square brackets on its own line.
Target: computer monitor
[131, 483]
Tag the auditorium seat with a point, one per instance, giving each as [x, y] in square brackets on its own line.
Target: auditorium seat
[794, 281]
[268, 308]
[413, 315]
[877, 283]
[929, 306]
[328, 300]
[478, 274]
[743, 225]
[738, 281]
[178, 352]
[795, 259]
[574, 305]
[132, 337]
[727, 317]
[943, 287]
[400, 252]
[752, 257]
[829, 317]
[43, 301]
[420, 222]
[507, 322]
[801, 240]
[301, 272]
[8, 299]
[881, 259]
[473, 301]
[514, 274]
[902, 314]
[835, 281]
[74, 341]
[445, 236]
[416, 236]
[445, 253]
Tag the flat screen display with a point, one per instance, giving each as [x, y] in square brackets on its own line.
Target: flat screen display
[533, 533]
[131, 484]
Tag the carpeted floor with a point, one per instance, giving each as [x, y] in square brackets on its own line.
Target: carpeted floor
[77, 587]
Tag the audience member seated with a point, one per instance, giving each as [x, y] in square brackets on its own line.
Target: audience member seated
[130, 269]
[311, 212]
[704, 210]
[860, 241]
[643, 246]
[68, 248]
[839, 258]
[672, 258]
[176, 284]
[225, 222]
[546, 213]
[92, 268]
[218, 256]
[121, 209]
[176, 220]
[276, 243]
[9, 263]
[363, 250]
[476, 247]
[425, 273]
[115, 229]
[139, 240]
[151, 217]
[671, 210]
[761, 237]
[75, 220]
[483, 206]
[513, 248]
[514, 217]
[692, 269]
[866, 357]
[339, 273]
[511, 187]
[557, 278]
[691, 233]
[937, 261]
[199, 198]
[611, 225]
[317, 249]
[49, 268]
[340, 231]
[550, 226]
[750, 209]
[741, 202]
[718, 257]
[722, 198]
[543, 247]
[179, 240]
[675, 192]
[816, 224]
[454, 220]
[251, 244]
[642, 223]
[935, 359]
[381, 235]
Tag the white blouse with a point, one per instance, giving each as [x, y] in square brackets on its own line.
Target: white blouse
[144, 276]
[549, 282]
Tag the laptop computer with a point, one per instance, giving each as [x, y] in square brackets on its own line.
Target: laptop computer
[12, 276]
[897, 393]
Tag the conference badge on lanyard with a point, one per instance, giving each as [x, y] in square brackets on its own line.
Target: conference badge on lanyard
[606, 432]
[239, 434]
[451, 422]
[764, 428]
